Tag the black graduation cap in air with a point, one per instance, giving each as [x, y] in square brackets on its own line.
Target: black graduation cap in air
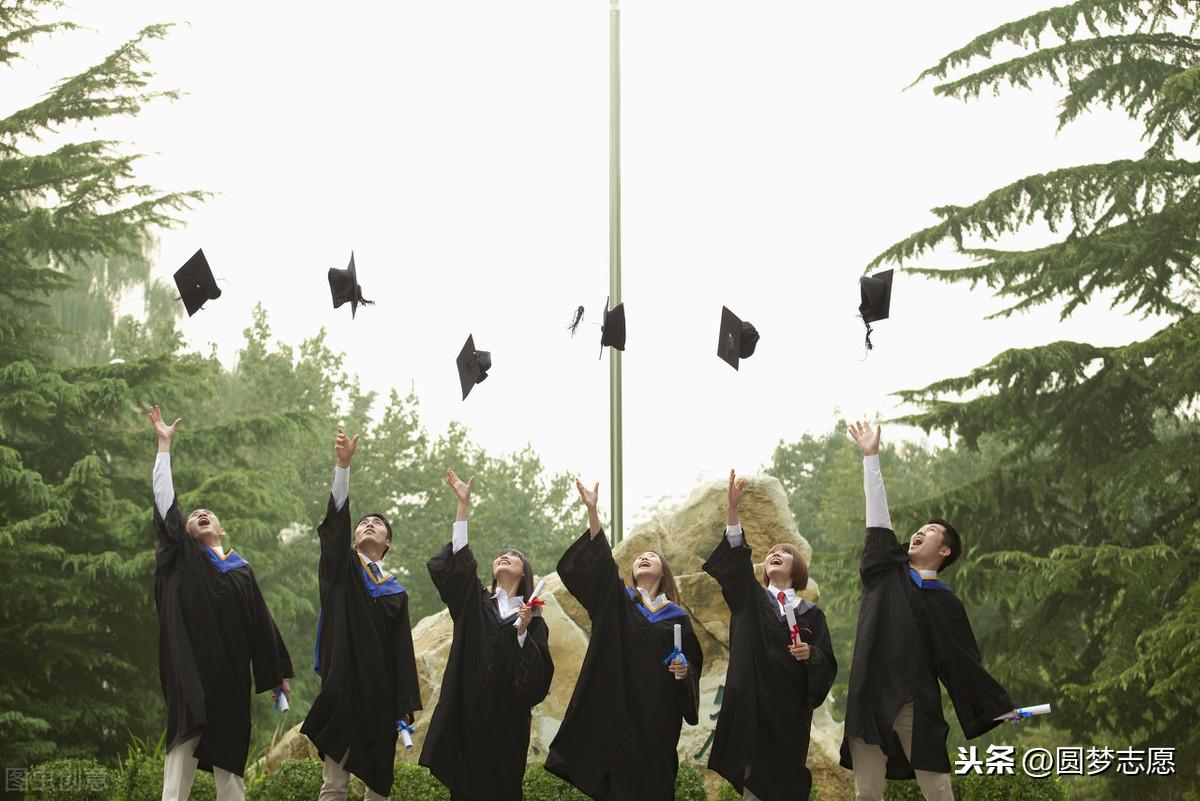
[876, 302]
[195, 283]
[472, 365]
[737, 340]
[343, 285]
[612, 330]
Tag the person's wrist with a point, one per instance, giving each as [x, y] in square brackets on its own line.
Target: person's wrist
[343, 463]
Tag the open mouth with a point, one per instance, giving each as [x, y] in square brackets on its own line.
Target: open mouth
[916, 541]
[503, 561]
[775, 560]
[202, 521]
[642, 563]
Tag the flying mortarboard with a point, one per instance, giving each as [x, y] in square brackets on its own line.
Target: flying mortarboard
[343, 285]
[612, 330]
[195, 283]
[472, 365]
[876, 302]
[738, 338]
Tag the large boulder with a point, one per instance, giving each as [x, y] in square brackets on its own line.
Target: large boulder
[685, 537]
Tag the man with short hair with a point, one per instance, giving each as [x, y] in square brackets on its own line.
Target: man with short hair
[212, 623]
[364, 652]
[912, 632]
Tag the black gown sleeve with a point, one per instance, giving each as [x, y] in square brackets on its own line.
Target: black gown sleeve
[881, 552]
[455, 577]
[408, 686]
[734, 571]
[821, 667]
[977, 697]
[171, 535]
[532, 667]
[270, 658]
[589, 573]
[335, 533]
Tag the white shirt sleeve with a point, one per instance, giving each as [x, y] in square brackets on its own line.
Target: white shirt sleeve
[341, 487]
[458, 536]
[877, 508]
[164, 488]
[521, 638]
[734, 535]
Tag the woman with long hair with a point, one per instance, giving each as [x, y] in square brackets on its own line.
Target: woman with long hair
[639, 680]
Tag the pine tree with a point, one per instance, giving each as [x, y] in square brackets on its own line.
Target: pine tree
[1087, 534]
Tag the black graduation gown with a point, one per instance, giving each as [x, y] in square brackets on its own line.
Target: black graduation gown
[478, 739]
[364, 654]
[908, 638]
[619, 734]
[766, 711]
[213, 625]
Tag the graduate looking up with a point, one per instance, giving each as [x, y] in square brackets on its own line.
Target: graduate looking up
[214, 633]
[619, 735]
[498, 669]
[778, 673]
[912, 632]
[364, 650]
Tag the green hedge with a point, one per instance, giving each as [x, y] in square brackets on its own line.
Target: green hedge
[67, 780]
[541, 785]
[727, 793]
[689, 784]
[974, 787]
[417, 783]
[298, 780]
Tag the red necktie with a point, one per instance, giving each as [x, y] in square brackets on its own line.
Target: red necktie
[782, 602]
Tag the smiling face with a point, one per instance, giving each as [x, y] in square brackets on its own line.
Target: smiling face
[371, 531]
[785, 567]
[203, 525]
[508, 568]
[778, 567]
[648, 571]
[927, 548]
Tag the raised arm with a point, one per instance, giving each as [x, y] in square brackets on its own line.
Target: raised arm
[164, 488]
[453, 568]
[587, 568]
[589, 499]
[729, 563]
[344, 447]
[462, 492]
[868, 442]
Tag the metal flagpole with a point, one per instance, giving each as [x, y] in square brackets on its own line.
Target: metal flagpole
[614, 260]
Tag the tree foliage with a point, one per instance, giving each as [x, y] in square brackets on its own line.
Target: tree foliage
[1088, 526]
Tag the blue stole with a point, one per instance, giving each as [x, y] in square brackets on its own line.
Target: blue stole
[377, 589]
[665, 612]
[927, 583]
[231, 560]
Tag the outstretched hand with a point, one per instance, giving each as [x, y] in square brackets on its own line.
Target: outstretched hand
[589, 496]
[736, 488]
[524, 615]
[462, 491]
[867, 439]
[162, 430]
[345, 447]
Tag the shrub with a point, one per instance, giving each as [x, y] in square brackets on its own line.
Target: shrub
[416, 783]
[67, 780]
[297, 780]
[727, 793]
[689, 784]
[541, 785]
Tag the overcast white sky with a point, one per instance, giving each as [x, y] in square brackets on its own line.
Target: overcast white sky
[460, 148]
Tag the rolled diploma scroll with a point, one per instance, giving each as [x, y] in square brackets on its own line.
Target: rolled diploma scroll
[404, 735]
[790, 614]
[678, 643]
[536, 592]
[1025, 712]
[281, 701]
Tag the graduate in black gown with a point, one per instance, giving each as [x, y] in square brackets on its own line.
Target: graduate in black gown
[215, 633]
[775, 680]
[618, 737]
[912, 632]
[364, 649]
[498, 669]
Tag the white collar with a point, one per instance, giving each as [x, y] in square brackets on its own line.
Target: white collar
[503, 598]
[789, 593]
[923, 573]
[220, 551]
[654, 603]
[378, 564]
